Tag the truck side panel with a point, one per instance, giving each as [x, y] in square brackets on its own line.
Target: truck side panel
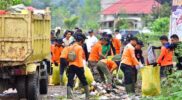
[14, 38]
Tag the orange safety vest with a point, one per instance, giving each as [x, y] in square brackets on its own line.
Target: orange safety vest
[166, 57]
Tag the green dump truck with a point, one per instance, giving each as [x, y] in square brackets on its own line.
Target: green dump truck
[24, 53]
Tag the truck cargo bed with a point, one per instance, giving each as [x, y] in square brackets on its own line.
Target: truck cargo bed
[24, 38]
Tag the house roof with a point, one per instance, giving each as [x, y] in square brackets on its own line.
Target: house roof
[131, 7]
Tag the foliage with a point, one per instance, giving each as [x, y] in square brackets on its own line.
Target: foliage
[163, 11]
[87, 10]
[147, 20]
[89, 14]
[71, 22]
[160, 25]
[152, 38]
[122, 24]
[6, 3]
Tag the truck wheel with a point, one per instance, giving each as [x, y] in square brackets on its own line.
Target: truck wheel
[44, 81]
[2, 87]
[21, 87]
[33, 86]
[43, 86]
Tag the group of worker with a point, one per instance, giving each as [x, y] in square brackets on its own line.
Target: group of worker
[75, 48]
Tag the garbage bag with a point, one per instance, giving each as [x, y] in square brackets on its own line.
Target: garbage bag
[151, 58]
[88, 75]
[119, 74]
[150, 81]
[56, 75]
[65, 78]
[110, 57]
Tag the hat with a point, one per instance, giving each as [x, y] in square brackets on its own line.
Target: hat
[116, 58]
[59, 41]
[117, 30]
[139, 42]
[79, 36]
[91, 31]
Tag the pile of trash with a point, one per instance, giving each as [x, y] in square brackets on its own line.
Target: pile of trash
[99, 91]
[22, 9]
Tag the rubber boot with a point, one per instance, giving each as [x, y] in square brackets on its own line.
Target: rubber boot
[61, 79]
[130, 88]
[69, 93]
[87, 93]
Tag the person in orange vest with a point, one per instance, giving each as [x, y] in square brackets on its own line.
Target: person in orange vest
[105, 67]
[95, 56]
[165, 60]
[56, 50]
[116, 44]
[76, 66]
[64, 62]
[129, 64]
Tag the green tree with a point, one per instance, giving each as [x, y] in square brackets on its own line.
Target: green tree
[89, 14]
[71, 22]
[7, 3]
[122, 24]
[161, 25]
[163, 11]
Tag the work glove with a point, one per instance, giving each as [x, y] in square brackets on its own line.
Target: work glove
[154, 64]
[55, 63]
[139, 66]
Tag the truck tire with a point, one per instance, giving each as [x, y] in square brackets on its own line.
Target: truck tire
[44, 81]
[2, 87]
[43, 86]
[33, 86]
[21, 86]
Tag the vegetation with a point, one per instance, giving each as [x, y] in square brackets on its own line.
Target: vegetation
[122, 24]
[87, 10]
[161, 25]
[7, 3]
[71, 22]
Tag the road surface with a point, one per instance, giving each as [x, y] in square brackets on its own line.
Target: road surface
[54, 93]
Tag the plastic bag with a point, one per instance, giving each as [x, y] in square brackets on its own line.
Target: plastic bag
[151, 58]
[56, 75]
[150, 81]
[88, 75]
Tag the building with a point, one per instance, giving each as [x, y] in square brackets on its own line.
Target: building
[130, 10]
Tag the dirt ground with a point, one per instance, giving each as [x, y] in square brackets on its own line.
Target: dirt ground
[54, 93]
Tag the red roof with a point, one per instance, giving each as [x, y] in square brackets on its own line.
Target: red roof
[131, 7]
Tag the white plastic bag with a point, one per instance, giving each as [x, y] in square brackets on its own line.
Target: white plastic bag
[151, 55]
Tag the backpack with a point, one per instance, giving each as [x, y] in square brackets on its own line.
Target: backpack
[71, 54]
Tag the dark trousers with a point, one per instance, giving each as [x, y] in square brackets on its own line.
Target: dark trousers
[179, 64]
[93, 66]
[166, 70]
[63, 65]
[130, 74]
[72, 71]
[104, 72]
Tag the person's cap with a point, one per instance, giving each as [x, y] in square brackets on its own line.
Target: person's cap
[90, 31]
[59, 41]
[109, 36]
[79, 36]
[164, 37]
[117, 30]
[133, 38]
[116, 58]
[139, 42]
